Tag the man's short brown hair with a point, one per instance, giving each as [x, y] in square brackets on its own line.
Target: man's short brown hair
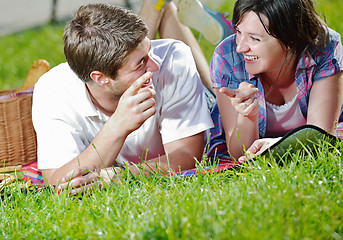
[100, 37]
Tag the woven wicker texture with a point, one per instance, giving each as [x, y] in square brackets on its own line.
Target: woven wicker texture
[18, 143]
[17, 136]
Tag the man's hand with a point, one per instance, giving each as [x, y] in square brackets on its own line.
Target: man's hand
[136, 105]
[258, 147]
[80, 180]
[243, 99]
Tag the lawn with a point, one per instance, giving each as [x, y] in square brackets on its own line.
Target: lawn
[301, 200]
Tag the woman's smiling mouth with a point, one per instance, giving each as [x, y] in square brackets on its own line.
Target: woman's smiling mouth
[250, 58]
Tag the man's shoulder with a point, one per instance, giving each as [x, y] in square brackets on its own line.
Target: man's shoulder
[166, 50]
[60, 69]
[166, 43]
[164, 47]
[60, 82]
[57, 76]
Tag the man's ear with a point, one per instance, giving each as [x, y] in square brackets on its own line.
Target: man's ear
[100, 78]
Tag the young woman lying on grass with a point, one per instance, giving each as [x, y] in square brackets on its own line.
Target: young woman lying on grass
[282, 69]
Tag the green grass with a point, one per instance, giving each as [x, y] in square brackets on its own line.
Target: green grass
[301, 200]
[20, 50]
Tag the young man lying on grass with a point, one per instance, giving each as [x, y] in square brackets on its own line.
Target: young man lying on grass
[120, 96]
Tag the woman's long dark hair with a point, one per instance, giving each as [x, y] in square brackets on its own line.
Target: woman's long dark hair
[294, 22]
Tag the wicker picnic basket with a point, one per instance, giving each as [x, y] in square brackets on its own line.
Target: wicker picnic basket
[18, 144]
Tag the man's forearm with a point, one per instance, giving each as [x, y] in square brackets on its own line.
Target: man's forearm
[181, 155]
[101, 153]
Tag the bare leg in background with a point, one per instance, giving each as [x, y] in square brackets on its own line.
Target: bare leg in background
[166, 22]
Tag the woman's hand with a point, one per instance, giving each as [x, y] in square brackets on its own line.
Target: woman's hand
[258, 147]
[243, 99]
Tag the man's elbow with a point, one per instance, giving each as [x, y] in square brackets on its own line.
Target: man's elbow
[49, 176]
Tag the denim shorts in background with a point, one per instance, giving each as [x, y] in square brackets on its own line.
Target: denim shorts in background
[215, 137]
[210, 98]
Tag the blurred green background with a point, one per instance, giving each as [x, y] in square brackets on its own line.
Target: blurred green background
[20, 50]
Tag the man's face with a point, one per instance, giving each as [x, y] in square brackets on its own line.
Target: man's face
[138, 62]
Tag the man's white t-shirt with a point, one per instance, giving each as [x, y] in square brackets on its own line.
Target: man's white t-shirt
[66, 121]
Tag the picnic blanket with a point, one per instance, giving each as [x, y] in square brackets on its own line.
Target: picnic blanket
[31, 172]
[306, 135]
[220, 167]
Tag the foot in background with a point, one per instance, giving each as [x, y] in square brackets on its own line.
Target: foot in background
[160, 4]
[213, 25]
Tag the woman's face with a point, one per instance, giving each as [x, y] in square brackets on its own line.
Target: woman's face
[263, 53]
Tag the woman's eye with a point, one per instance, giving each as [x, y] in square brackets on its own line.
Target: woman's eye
[255, 39]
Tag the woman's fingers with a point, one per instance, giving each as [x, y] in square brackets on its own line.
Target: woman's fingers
[250, 108]
[228, 92]
[258, 147]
